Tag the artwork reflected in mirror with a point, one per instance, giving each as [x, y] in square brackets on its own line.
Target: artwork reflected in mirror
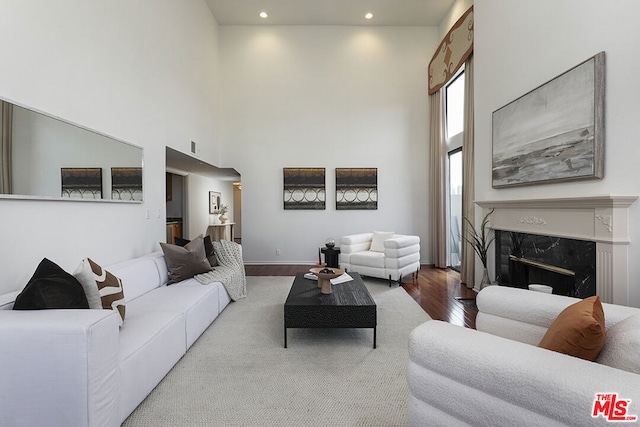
[35, 147]
[126, 184]
[81, 183]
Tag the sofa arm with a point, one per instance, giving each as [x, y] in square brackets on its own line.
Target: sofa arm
[481, 379]
[399, 242]
[355, 243]
[518, 314]
[59, 368]
[402, 247]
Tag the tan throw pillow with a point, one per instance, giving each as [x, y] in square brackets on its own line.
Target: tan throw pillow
[185, 262]
[578, 330]
[110, 289]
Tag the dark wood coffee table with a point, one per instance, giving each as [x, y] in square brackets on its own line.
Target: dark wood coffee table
[348, 306]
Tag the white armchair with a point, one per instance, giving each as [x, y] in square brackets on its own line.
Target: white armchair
[497, 375]
[384, 255]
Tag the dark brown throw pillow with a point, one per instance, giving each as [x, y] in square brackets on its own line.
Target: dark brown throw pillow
[209, 252]
[185, 262]
[51, 287]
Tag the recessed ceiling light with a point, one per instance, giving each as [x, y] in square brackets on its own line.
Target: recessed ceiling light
[264, 15]
[368, 15]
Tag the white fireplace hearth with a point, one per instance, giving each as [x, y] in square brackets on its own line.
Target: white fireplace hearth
[602, 219]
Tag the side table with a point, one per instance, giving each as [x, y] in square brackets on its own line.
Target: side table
[331, 256]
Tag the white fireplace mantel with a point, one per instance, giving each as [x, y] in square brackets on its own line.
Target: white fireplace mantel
[603, 219]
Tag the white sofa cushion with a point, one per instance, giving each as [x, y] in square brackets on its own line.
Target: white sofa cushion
[139, 276]
[163, 271]
[368, 259]
[151, 343]
[199, 304]
[622, 348]
[377, 241]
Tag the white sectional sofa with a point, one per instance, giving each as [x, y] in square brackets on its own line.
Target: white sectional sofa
[384, 255]
[80, 368]
[497, 375]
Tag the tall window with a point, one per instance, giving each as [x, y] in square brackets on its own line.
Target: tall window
[455, 106]
[455, 126]
[455, 209]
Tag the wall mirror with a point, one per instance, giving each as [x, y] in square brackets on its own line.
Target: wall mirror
[48, 158]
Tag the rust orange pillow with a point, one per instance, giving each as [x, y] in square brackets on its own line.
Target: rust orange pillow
[578, 330]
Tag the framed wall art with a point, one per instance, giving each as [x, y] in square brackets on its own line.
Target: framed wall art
[356, 188]
[304, 188]
[553, 133]
[81, 183]
[126, 184]
[215, 199]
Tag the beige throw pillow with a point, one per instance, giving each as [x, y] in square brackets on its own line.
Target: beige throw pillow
[110, 289]
[377, 241]
[87, 279]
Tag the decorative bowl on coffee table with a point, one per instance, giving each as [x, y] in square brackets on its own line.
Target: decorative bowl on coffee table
[324, 277]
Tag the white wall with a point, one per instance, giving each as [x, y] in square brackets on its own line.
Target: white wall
[143, 72]
[455, 12]
[520, 45]
[198, 202]
[325, 97]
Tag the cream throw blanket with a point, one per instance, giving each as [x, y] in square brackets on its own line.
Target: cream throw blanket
[229, 271]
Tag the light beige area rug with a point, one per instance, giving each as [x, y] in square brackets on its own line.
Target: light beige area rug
[239, 374]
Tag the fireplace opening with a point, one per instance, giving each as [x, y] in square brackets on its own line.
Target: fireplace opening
[560, 279]
[567, 265]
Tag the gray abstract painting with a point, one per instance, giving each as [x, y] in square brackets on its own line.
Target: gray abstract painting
[553, 133]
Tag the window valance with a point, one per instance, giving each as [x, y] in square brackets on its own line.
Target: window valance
[454, 49]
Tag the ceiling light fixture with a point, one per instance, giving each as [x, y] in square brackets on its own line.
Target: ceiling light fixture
[368, 15]
[264, 15]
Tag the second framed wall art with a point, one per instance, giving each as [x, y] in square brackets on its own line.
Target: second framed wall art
[356, 188]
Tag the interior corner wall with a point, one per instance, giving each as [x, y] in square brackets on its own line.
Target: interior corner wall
[198, 202]
[145, 72]
[521, 45]
[330, 97]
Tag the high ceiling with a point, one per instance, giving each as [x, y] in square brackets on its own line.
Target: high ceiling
[310, 12]
[330, 12]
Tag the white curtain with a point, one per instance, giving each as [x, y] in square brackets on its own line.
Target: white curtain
[6, 120]
[467, 269]
[438, 181]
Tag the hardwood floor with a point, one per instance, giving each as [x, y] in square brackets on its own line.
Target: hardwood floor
[435, 290]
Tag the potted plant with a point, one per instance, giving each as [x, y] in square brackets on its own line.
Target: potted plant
[480, 241]
[223, 209]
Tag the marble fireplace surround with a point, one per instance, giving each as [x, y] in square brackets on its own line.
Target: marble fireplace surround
[603, 219]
